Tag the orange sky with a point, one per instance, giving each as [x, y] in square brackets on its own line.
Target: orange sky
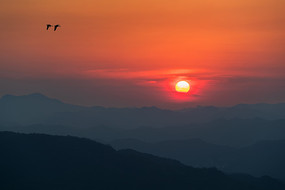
[129, 53]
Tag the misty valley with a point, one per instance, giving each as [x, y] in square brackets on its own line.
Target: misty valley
[48, 144]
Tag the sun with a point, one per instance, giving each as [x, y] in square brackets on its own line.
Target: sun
[182, 86]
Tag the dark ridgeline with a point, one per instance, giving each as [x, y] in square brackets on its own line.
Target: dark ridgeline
[262, 158]
[193, 152]
[63, 162]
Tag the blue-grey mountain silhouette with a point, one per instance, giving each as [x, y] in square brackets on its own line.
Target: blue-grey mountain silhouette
[39, 109]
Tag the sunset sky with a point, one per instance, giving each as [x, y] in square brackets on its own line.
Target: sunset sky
[132, 52]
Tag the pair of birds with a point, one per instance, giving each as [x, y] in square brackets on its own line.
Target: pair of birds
[55, 26]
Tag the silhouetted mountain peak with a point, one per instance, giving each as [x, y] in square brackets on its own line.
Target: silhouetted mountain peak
[207, 107]
[7, 96]
[150, 108]
[31, 108]
[39, 96]
[28, 97]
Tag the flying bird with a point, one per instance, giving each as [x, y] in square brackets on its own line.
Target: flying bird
[56, 26]
[48, 26]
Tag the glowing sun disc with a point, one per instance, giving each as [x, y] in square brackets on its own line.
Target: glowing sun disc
[182, 86]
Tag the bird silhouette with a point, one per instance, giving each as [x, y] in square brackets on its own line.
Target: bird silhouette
[48, 26]
[56, 26]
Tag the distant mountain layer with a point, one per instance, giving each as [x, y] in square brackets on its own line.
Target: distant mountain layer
[69, 163]
[39, 109]
[233, 132]
[263, 158]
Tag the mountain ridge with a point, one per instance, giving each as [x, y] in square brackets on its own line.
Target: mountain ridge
[35, 161]
[261, 158]
[39, 109]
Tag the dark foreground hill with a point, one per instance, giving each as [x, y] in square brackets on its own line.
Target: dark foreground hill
[58, 162]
